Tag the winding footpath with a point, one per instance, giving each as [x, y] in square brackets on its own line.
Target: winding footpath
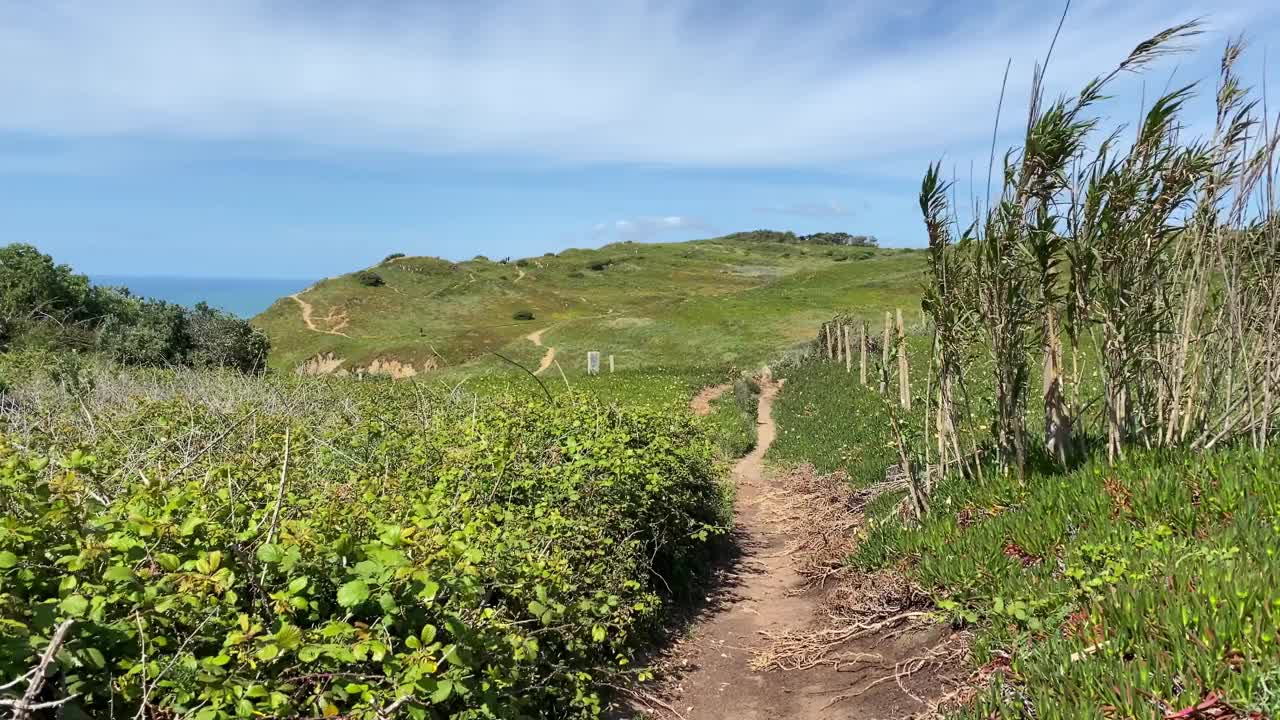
[757, 596]
[548, 357]
[309, 319]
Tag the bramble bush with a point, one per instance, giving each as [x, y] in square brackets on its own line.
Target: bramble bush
[297, 548]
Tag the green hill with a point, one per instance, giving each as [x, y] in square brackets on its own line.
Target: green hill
[720, 302]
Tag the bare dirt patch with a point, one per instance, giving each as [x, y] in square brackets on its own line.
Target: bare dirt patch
[701, 403]
[335, 321]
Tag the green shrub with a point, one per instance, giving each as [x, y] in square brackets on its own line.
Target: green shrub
[369, 278]
[501, 560]
[577, 274]
[220, 340]
[392, 256]
[522, 315]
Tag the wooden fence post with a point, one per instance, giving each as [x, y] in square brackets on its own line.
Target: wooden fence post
[593, 362]
[848, 349]
[884, 353]
[904, 379]
[862, 357]
[829, 347]
[610, 364]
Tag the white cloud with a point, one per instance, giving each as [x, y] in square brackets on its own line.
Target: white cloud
[640, 229]
[579, 82]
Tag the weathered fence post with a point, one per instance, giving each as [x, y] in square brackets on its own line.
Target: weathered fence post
[593, 362]
[829, 347]
[862, 356]
[884, 353]
[848, 349]
[610, 364]
[904, 379]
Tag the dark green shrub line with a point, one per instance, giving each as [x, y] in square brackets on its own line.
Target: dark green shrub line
[369, 278]
[49, 307]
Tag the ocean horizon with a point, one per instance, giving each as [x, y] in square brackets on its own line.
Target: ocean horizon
[242, 297]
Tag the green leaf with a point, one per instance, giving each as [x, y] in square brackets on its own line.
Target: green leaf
[444, 688]
[168, 561]
[190, 524]
[95, 657]
[597, 633]
[297, 585]
[74, 605]
[353, 593]
[430, 589]
[539, 610]
[270, 553]
[118, 573]
[309, 653]
[288, 637]
[268, 652]
[7, 560]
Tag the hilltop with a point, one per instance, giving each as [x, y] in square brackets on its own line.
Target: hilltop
[730, 301]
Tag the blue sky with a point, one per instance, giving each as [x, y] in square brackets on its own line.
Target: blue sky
[301, 138]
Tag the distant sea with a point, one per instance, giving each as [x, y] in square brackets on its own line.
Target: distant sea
[244, 297]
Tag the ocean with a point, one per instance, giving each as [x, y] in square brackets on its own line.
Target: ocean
[243, 297]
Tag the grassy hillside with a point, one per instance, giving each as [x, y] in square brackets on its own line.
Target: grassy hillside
[704, 303]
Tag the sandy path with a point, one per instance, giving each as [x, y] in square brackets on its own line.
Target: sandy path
[754, 599]
[548, 357]
[309, 319]
[701, 403]
[519, 275]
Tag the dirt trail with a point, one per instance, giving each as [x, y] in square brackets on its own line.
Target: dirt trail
[338, 320]
[701, 404]
[519, 275]
[548, 357]
[754, 599]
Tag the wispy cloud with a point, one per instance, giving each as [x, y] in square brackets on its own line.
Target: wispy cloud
[640, 229]
[630, 81]
[808, 209]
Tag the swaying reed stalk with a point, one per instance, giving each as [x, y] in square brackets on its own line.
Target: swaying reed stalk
[1165, 252]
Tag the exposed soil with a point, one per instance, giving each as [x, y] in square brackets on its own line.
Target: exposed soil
[335, 320]
[766, 591]
[701, 403]
[548, 357]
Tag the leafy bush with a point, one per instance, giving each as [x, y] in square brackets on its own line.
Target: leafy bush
[522, 315]
[500, 560]
[47, 306]
[577, 274]
[146, 332]
[369, 278]
[219, 340]
[392, 256]
[522, 262]
[600, 266]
